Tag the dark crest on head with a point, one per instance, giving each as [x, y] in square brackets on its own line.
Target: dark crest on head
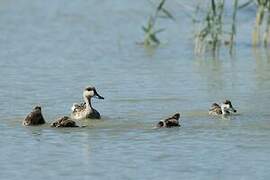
[37, 108]
[227, 102]
[90, 88]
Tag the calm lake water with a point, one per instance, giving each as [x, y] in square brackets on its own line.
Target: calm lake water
[50, 50]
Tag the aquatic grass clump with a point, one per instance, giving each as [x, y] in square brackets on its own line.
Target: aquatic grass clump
[210, 32]
[150, 34]
[150, 31]
[262, 21]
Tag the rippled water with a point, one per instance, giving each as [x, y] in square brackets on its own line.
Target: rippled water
[50, 50]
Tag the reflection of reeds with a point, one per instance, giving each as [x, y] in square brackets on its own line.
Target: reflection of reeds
[267, 30]
[150, 32]
[233, 30]
[262, 20]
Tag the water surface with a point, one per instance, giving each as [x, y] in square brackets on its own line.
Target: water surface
[50, 50]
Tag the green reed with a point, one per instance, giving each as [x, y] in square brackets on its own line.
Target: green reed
[150, 31]
[213, 31]
[210, 33]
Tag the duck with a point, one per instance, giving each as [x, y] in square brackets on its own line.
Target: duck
[85, 109]
[169, 122]
[34, 118]
[64, 121]
[224, 109]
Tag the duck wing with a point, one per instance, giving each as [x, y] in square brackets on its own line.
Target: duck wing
[215, 108]
[78, 107]
[68, 123]
[170, 122]
[64, 122]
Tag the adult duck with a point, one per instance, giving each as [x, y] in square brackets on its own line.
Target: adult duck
[86, 110]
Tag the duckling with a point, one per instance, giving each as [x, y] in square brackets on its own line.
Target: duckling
[85, 110]
[64, 122]
[225, 108]
[34, 118]
[170, 122]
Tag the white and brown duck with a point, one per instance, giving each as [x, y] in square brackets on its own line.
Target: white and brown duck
[86, 110]
[225, 108]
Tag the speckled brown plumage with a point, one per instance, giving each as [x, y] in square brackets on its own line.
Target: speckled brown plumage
[64, 122]
[224, 108]
[215, 109]
[170, 122]
[34, 118]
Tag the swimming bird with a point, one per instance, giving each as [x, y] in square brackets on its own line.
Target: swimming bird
[170, 122]
[225, 108]
[34, 118]
[64, 122]
[85, 110]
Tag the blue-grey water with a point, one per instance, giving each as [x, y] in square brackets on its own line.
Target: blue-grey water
[50, 50]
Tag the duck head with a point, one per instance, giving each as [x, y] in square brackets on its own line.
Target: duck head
[227, 105]
[90, 92]
[161, 123]
[37, 108]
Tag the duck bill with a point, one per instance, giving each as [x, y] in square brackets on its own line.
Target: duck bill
[233, 110]
[98, 96]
